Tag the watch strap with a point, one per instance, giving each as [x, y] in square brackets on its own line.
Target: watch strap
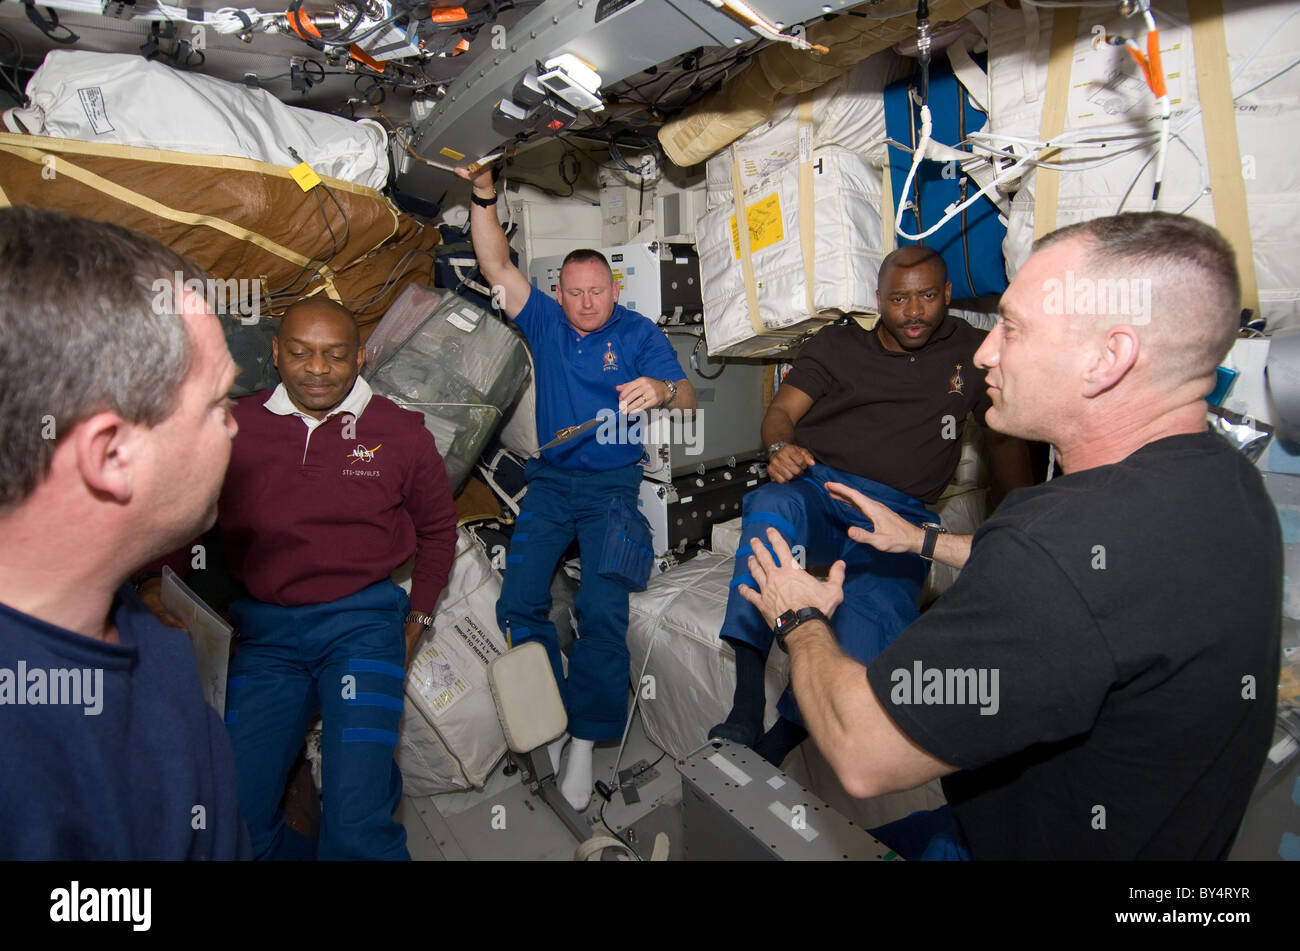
[932, 532]
[483, 202]
[425, 619]
[790, 620]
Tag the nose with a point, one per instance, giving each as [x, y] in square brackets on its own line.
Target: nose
[912, 307]
[318, 365]
[988, 353]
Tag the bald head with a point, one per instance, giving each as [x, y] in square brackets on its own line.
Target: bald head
[318, 353]
[1172, 278]
[911, 256]
[322, 309]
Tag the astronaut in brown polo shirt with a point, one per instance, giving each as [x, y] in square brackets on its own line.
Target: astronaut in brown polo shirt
[881, 411]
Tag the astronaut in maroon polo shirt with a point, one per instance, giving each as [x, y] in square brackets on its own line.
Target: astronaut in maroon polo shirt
[330, 488]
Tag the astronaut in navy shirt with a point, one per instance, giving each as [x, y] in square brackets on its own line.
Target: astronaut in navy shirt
[593, 357]
[117, 432]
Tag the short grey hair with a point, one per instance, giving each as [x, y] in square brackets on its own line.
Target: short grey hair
[85, 330]
[1196, 289]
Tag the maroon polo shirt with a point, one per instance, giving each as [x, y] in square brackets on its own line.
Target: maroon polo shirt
[311, 517]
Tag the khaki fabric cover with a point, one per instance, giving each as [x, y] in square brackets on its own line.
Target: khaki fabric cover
[237, 218]
[781, 70]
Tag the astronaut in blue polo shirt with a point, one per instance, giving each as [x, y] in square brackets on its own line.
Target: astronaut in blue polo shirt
[593, 357]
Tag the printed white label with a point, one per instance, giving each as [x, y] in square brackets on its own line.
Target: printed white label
[92, 101]
[465, 322]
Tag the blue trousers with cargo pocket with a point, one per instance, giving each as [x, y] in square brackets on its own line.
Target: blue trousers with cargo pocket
[562, 504]
[880, 589]
[345, 659]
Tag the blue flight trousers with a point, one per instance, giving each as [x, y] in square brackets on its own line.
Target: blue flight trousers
[559, 504]
[346, 659]
[880, 589]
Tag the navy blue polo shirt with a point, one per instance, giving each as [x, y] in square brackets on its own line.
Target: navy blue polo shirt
[577, 376]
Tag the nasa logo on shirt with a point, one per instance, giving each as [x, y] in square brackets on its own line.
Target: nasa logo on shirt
[955, 383]
[362, 454]
[611, 358]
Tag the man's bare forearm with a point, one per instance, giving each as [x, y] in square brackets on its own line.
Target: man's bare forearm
[777, 426]
[490, 245]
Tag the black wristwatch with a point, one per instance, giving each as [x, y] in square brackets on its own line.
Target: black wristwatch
[788, 621]
[932, 532]
[483, 202]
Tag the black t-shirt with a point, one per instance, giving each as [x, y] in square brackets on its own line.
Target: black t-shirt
[1130, 612]
[896, 418]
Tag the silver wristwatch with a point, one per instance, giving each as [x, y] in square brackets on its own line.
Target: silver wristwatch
[776, 447]
[425, 619]
[672, 391]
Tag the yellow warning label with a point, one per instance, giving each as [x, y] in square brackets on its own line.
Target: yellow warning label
[304, 176]
[451, 154]
[765, 228]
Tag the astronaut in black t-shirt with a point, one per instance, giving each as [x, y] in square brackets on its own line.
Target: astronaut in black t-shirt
[882, 411]
[1100, 682]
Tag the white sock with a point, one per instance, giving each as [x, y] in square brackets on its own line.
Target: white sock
[553, 750]
[576, 783]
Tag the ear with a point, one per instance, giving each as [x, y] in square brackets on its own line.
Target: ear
[275, 352]
[361, 357]
[616, 288]
[1115, 352]
[947, 293]
[107, 450]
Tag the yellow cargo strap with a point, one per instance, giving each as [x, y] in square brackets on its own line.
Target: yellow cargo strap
[4, 200]
[742, 239]
[1047, 182]
[807, 206]
[1227, 186]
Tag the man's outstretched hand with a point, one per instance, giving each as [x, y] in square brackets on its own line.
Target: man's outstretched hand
[892, 533]
[787, 587]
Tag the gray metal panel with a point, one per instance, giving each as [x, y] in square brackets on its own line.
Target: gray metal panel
[643, 34]
[738, 806]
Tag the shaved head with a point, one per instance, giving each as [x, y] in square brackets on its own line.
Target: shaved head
[910, 256]
[1172, 278]
[317, 309]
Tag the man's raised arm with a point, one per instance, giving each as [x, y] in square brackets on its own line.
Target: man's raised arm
[491, 247]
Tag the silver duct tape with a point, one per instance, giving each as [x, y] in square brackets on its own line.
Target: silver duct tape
[1282, 377]
[1247, 434]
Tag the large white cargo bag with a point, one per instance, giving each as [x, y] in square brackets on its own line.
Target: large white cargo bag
[677, 618]
[123, 99]
[450, 738]
[846, 243]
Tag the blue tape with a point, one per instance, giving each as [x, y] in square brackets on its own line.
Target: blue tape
[376, 700]
[377, 667]
[368, 735]
[1289, 847]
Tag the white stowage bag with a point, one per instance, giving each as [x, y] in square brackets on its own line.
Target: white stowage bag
[847, 251]
[677, 618]
[450, 738]
[848, 150]
[123, 99]
[1106, 89]
[848, 111]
